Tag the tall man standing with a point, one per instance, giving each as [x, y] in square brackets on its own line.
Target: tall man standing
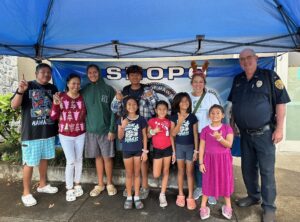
[38, 130]
[258, 97]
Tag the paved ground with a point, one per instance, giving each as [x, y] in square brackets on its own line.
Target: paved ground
[105, 208]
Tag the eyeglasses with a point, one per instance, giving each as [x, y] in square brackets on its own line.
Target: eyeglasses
[248, 58]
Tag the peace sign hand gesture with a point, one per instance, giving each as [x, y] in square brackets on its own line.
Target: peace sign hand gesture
[56, 99]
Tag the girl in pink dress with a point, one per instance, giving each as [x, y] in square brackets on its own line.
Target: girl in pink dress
[216, 162]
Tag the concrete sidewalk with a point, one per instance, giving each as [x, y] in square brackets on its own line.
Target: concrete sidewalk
[105, 208]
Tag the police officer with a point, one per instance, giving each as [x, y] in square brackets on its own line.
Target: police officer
[253, 109]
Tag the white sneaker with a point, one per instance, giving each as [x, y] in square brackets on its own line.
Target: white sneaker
[197, 193]
[162, 200]
[70, 195]
[28, 200]
[47, 189]
[78, 190]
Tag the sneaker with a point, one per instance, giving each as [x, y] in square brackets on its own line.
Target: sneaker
[70, 195]
[204, 213]
[28, 200]
[144, 192]
[78, 190]
[162, 200]
[227, 212]
[212, 201]
[197, 193]
[47, 189]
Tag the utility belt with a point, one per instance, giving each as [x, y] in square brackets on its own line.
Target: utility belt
[258, 131]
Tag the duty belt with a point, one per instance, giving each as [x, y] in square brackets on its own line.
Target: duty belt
[259, 131]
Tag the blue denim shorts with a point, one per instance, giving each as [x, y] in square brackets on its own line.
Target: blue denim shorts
[185, 152]
[35, 150]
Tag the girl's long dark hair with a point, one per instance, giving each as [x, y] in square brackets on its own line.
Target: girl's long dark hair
[164, 103]
[125, 112]
[177, 99]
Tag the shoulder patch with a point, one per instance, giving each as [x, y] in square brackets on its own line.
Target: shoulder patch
[279, 84]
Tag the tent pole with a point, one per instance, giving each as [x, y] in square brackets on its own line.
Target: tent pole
[41, 38]
[199, 39]
[115, 44]
[17, 51]
[70, 51]
[287, 20]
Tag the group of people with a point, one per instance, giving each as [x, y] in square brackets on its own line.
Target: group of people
[194, 135]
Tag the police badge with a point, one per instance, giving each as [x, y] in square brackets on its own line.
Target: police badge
[259, 83]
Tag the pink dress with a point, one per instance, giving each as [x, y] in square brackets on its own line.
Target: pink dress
[218, 179]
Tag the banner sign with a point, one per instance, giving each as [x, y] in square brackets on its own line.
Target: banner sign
[166, 77]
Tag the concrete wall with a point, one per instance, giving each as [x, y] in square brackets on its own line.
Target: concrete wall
[8, 74]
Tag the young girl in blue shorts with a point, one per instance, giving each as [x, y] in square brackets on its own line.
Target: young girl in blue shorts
[132, 133]
[185, 130]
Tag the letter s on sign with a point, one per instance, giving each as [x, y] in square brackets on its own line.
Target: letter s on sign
[113, 73]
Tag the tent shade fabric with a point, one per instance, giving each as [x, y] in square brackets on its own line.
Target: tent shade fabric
[149, 28]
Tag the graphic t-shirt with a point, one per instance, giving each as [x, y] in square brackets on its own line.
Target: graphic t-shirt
[161, 139]
[36, 107]
[185, 135]
[71, 114]
[133, 136]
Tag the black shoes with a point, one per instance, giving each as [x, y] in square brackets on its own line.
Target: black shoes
[268, 216]
[247, 201]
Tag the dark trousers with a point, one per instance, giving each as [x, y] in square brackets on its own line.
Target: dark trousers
[258, 155]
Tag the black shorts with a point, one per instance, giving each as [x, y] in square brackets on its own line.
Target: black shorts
[159, 153]
[129, 154]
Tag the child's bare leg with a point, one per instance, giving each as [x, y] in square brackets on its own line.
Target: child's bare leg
[227, 202]
[190, 177]
[166, 169]
[129, 174]
[204, 201]
[180, 176]
[137, 174]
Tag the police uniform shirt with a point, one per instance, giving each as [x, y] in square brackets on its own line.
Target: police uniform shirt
[251, 106]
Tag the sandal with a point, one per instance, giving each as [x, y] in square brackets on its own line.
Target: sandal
[128, 204]
[138, 204]
[180, 201]
[28, 200]
[47, 189]
[111, 190]
[191, 203]
[204, 213]
[70, 195]
[227, 212]
[97, 190]
[78, 190]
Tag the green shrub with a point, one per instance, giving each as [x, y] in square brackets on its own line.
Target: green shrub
[8, 119]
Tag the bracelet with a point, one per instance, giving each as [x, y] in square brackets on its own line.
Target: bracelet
[196, 151]
[17, 92]
[152, 133]
[220, 139]
[145, 151]
[173, 153]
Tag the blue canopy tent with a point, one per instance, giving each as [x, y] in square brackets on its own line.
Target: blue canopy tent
[45, 29]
